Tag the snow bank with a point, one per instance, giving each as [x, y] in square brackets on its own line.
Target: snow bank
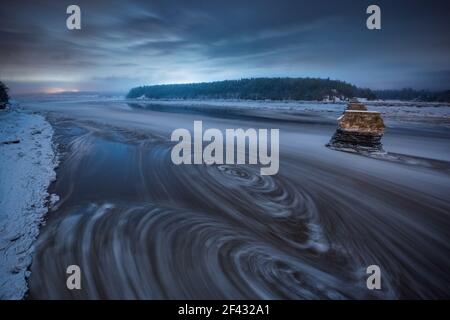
[27, 163]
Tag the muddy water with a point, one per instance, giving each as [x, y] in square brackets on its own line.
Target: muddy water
[140, 227]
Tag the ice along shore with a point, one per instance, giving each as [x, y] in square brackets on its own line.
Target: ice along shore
[27, 167]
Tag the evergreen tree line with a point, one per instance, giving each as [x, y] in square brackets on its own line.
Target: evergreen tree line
[282, 89]
[256, 89]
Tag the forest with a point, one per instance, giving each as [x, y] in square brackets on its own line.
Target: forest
[308, 89]
[256, 89]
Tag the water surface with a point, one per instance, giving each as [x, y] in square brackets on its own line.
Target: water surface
[141, 227]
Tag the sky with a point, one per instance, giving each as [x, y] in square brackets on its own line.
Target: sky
[123, 44]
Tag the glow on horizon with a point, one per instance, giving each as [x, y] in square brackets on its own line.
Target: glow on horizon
[58, 90]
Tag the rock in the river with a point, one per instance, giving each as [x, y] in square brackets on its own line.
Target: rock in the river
[358, 130]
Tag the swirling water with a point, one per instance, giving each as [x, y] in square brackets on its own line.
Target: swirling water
[140, 227]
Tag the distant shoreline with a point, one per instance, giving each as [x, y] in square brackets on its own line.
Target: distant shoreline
[279, 89]
[94, 96]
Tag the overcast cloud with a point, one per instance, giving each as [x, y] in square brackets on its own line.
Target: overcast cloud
[127, 43]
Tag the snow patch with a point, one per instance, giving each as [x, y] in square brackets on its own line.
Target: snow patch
[27, 167]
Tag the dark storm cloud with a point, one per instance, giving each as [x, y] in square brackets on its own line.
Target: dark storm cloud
[126, 43]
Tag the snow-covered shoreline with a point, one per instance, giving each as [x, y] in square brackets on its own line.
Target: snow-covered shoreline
[27, 167]
[392, 111]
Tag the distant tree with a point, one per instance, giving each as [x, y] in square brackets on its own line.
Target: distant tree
[4, 97]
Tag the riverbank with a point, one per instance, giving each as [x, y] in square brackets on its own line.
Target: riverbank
[28, 161]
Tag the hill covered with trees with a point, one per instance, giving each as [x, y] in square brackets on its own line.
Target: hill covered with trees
[256, 89]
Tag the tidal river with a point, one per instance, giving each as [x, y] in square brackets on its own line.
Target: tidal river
[140, 227]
